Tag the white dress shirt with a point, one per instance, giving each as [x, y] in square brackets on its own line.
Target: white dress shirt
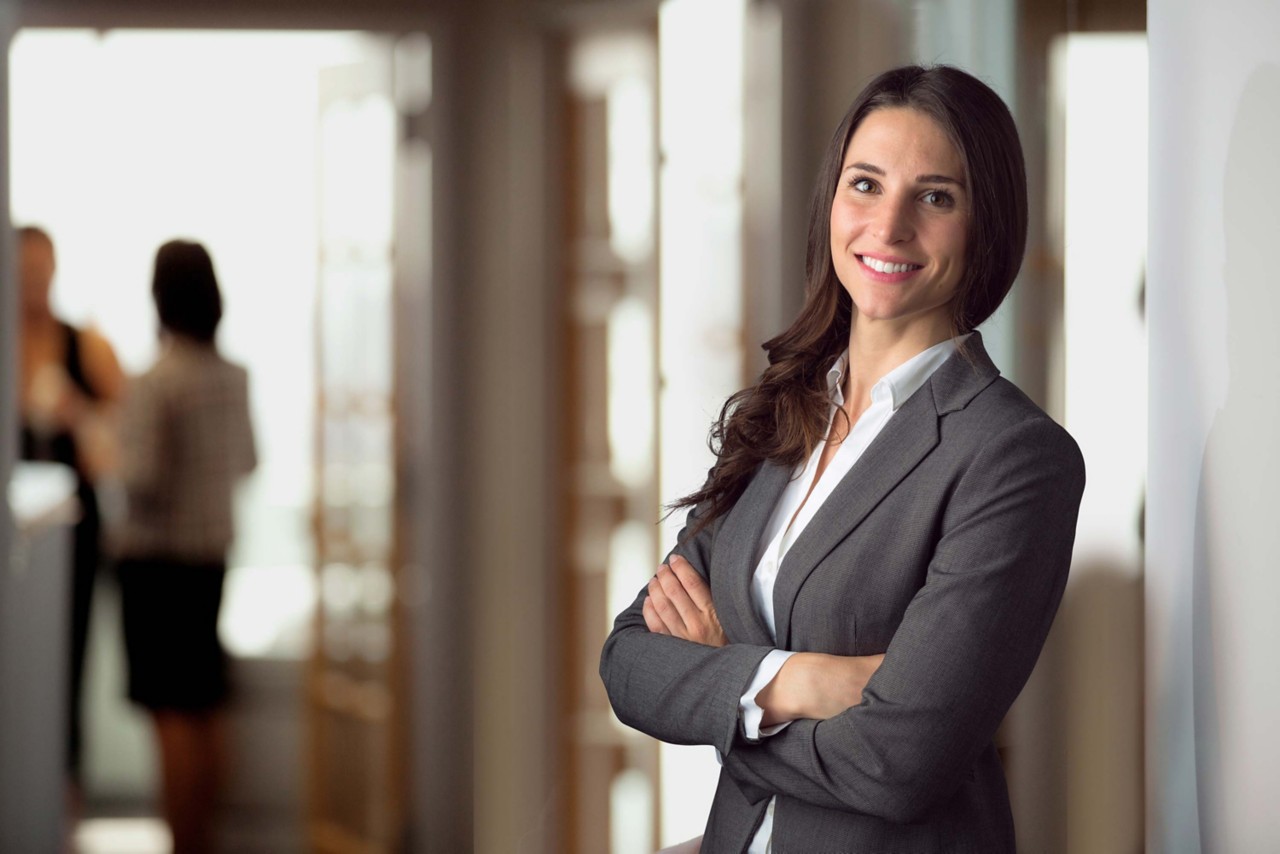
[776, 540]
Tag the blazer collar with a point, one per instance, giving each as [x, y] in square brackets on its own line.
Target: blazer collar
[911, 434]
[959, 379]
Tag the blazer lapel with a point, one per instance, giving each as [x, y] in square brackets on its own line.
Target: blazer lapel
[910, 435]
[736, 546]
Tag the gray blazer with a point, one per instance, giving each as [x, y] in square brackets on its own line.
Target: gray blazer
[946, 547]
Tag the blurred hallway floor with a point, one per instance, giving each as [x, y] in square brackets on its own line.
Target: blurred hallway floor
[122, 836]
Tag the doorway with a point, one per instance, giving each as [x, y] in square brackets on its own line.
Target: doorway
[282, 153]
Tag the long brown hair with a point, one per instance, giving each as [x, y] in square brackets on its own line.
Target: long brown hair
[783, 416]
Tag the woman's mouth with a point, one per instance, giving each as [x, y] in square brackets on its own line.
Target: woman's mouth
[887, 266]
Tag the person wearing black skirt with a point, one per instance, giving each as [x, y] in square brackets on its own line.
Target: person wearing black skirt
[186, 439]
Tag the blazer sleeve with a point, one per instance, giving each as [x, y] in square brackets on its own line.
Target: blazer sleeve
[965, 647]
[672, 689]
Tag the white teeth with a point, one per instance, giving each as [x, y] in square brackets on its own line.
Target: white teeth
[883, 267]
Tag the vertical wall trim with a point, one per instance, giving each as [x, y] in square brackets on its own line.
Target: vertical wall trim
[8, 287]
[503, 341]
[441, 729]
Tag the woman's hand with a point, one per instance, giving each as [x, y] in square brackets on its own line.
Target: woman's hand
[817, 686]
[679, 604]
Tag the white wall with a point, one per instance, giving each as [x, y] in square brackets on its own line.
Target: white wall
[1213, 536]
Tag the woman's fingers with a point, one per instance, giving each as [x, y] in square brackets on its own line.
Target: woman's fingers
[690, 597]
[651, 618]
[679, 604]
[690, 613]
[698, 591]
[668, 614]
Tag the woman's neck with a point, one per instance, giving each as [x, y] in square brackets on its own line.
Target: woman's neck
[876, 349]
[38, 323]
[178, 341]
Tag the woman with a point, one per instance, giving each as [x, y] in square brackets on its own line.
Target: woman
[867, 576]
[185, 441]
[71, 383]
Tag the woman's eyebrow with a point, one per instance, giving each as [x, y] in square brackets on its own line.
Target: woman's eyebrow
[865, 167]
[920, 179]
[938, 179]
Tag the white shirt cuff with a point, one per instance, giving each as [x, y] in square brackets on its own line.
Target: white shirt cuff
[751, 713]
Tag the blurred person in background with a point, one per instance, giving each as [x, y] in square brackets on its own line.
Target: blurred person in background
[185, 441]
[867, 577]
[71, 382]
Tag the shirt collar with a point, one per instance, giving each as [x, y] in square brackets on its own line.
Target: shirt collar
[835, 378]
[903, 381]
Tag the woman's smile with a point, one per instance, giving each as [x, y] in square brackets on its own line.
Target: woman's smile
[887, 268]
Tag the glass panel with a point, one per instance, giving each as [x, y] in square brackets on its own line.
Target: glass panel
[631, 392]
[377, 589]
[356, 209]
[609, 441]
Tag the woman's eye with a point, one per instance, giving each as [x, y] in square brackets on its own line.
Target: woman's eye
[862, 185]
[939, 199]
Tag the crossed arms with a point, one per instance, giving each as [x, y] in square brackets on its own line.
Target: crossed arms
[910, 725]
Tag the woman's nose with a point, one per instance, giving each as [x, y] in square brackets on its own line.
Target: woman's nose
[894, 222]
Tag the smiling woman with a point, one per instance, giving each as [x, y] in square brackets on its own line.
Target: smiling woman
[865, 580]
[898, 224]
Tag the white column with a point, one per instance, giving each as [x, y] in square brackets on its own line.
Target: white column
[1101, 80]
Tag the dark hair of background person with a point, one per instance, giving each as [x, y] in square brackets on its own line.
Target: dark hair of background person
[784, 415]
[186, 291]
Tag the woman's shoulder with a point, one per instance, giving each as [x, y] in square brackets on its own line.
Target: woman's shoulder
[1003, 413]
[233, 376]
[98, 362]
[1002, 400]
[189, 359]
[1005, 421]
[186, 370]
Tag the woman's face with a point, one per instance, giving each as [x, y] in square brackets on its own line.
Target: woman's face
[899, 221]
[36, 269]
